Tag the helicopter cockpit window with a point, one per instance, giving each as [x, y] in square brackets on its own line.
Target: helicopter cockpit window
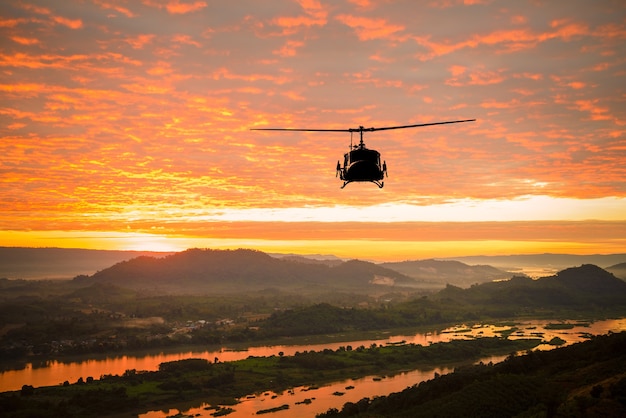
[365, 155]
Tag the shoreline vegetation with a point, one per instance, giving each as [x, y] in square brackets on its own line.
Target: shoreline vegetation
[586, 379]
[512, 326]
[199, 381]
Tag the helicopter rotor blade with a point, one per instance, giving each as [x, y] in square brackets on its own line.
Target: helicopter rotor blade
[302, 130]
[362, 129]
[386, 128]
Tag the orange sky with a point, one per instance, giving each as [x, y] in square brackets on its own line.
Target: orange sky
[125, 125]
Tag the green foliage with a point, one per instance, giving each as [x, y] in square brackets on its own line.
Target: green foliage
[185, 366]
[539, 383]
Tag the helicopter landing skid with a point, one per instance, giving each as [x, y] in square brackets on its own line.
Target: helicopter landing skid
[380, 184]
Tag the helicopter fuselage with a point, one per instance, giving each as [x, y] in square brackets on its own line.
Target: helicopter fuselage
[362, 164]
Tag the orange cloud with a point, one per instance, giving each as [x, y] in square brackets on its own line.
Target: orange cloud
[140, 41]
[176, 6]
[110, 5]
[11, 23]
[70, 23]
[315, 15]
[25, 41]
[513, 40]
[596, 112]
[370, 28]
[461, 76]
[289, 49]
[35, 9]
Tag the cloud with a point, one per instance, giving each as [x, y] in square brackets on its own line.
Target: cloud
[113, 111]
[314, 15]
[371, 28]
[111, 5]
[464, 76]
[25, 41]
[70, 23]
[140, 41]
[177, 6]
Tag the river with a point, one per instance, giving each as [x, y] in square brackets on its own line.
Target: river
[319, 400]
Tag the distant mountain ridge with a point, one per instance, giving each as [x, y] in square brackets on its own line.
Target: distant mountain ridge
[448, 272]
[234, 270]
[555, 261]
[618, 270]
[45, 263]
[51, 263]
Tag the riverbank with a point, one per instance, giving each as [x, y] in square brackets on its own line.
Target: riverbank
[198, 380]
[54, 372]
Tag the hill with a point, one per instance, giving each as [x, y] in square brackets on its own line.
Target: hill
[587, 379]
[216, 271]
[585, 286]
[619, 270]
[442, 272]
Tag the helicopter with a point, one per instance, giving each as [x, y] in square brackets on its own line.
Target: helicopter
[362, 164]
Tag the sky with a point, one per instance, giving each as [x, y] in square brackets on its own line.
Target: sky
[127, 125]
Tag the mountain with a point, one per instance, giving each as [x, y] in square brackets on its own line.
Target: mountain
[587, 285]
[52, 263]
[198, 270]
[619, 270]
[444, 272]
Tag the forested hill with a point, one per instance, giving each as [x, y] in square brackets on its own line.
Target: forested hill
[587, 379]
[237, 270]
[577, 286]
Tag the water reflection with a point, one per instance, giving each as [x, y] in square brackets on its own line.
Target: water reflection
[56, 372]
[307, 402]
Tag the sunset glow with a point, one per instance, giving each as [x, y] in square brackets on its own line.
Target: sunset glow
[126, 125]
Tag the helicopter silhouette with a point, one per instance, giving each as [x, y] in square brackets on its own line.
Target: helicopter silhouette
[362, 164]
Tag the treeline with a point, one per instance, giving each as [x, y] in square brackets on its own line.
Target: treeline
[325, 318]
[582, 380]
